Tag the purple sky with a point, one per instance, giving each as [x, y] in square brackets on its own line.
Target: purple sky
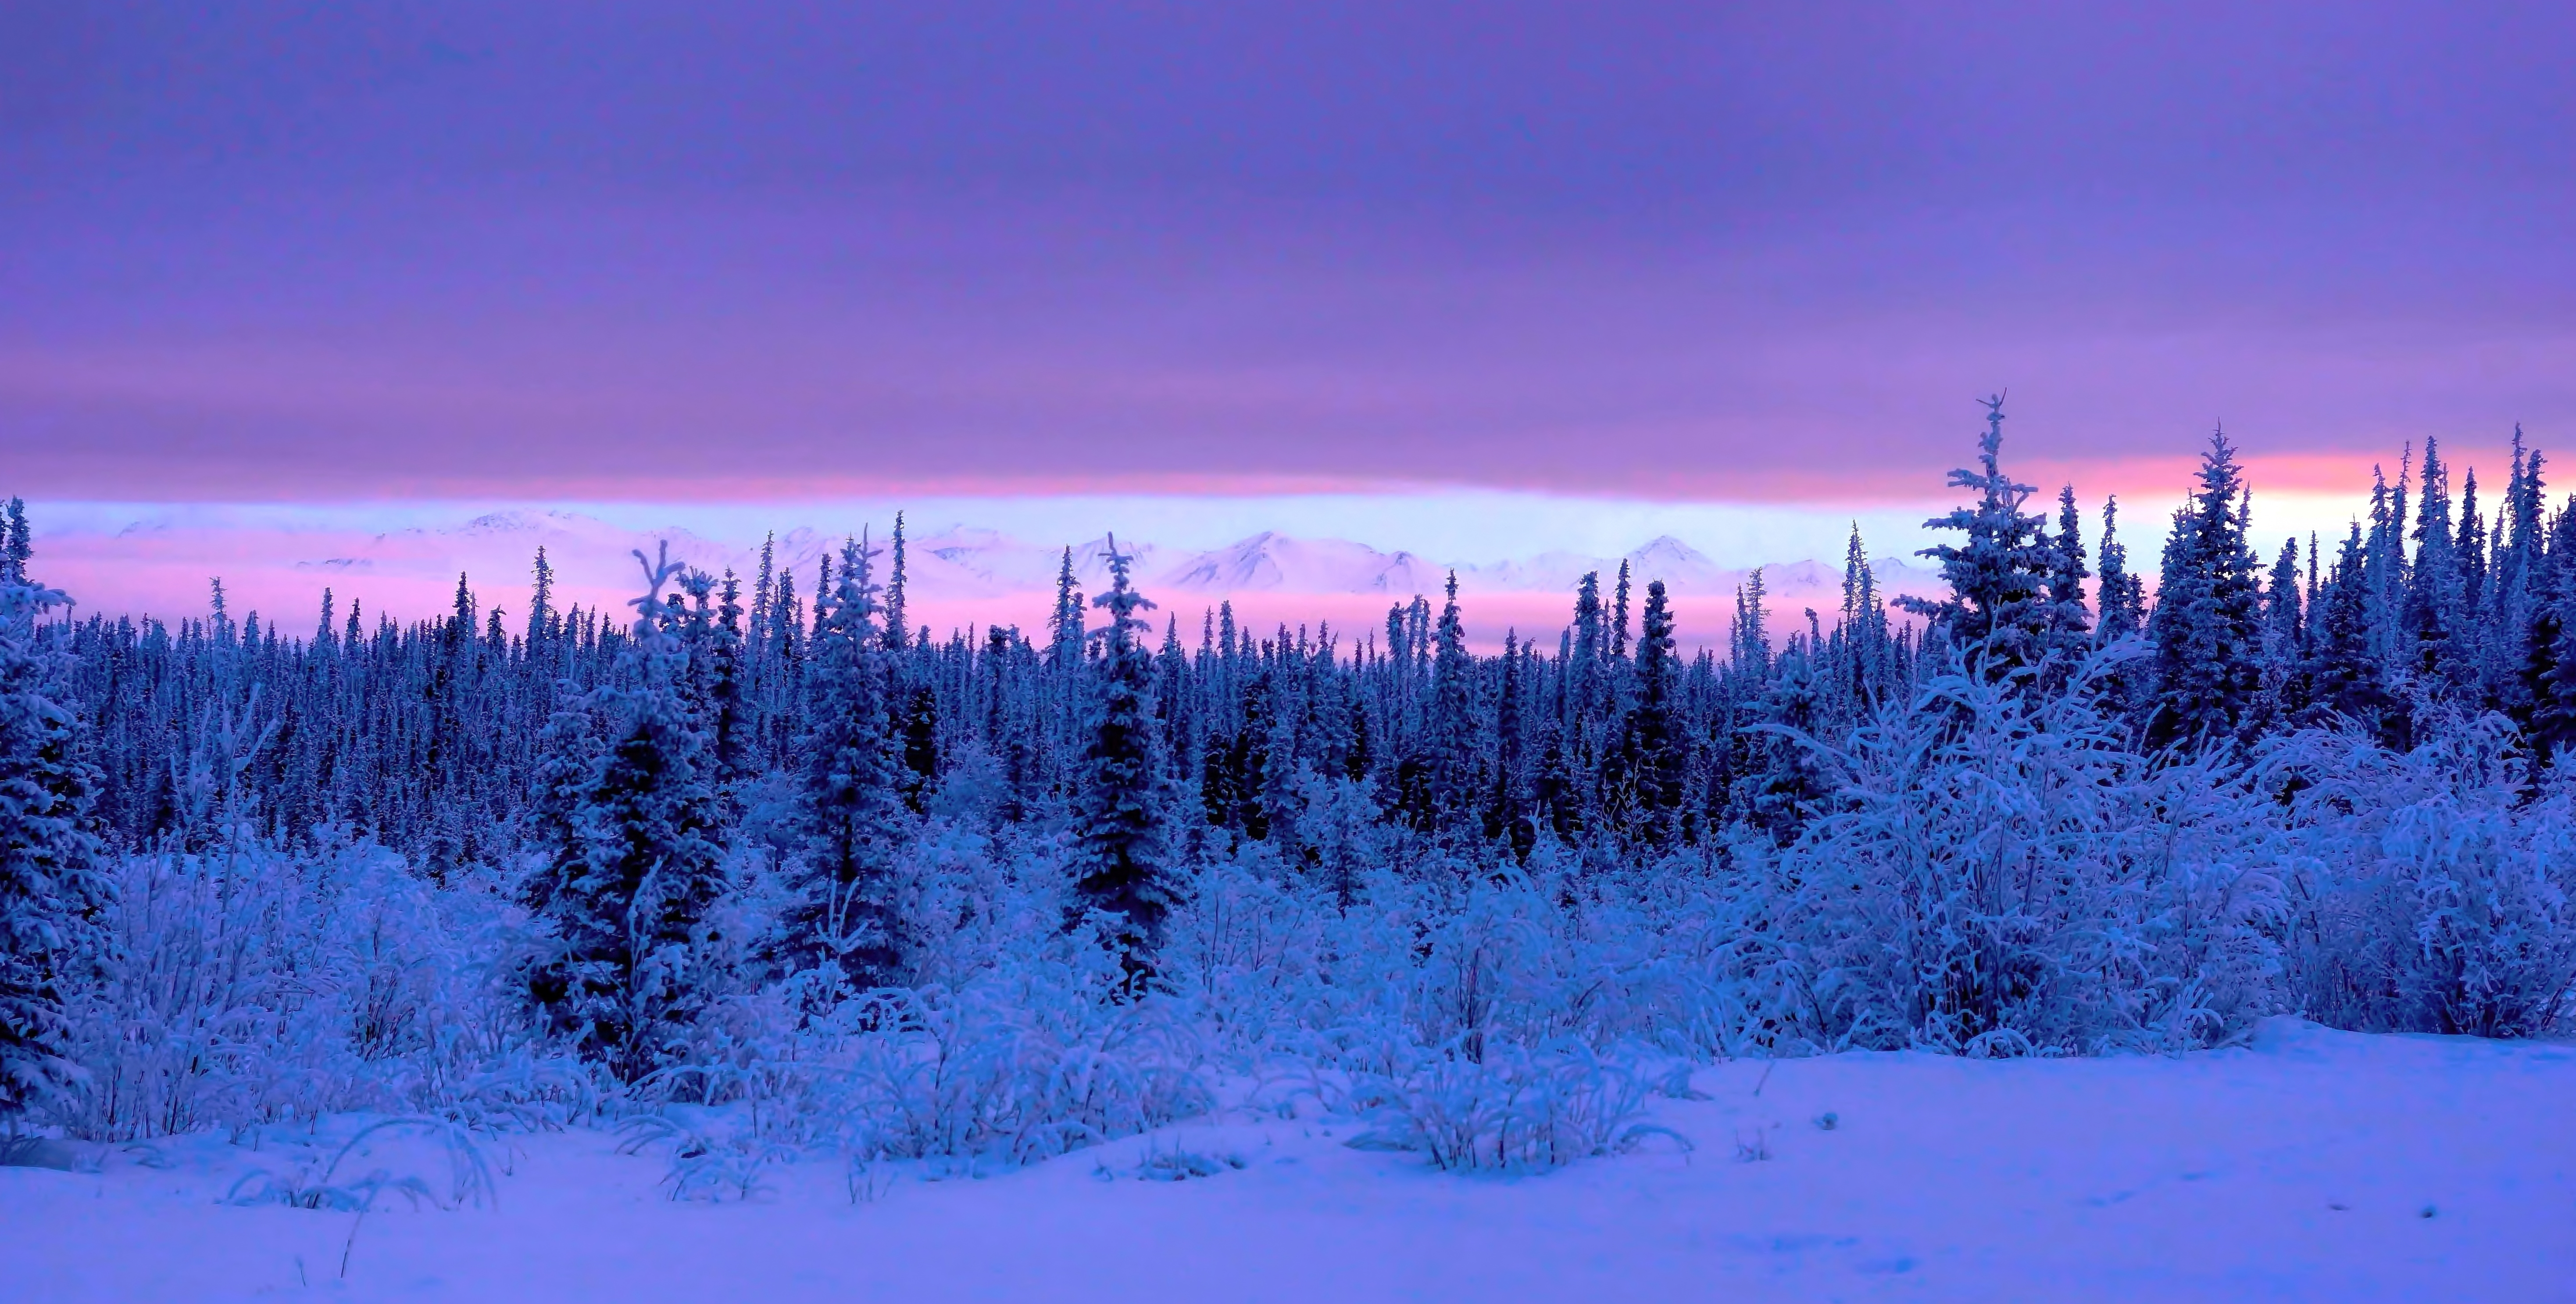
[317, 252]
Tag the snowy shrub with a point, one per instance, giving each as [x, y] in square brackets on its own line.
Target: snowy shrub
[707, 1161]
[425, 1160]
[2429, 895]
[1512, 1108]
[1999, 874]
[1029, 1058]
[1012, 1077]
[252, 986]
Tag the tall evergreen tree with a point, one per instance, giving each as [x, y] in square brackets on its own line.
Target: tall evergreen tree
[2474, 671]
[541, 602]
[635, 865]
[2207, 626]
[1997, 611]
[2429, 633]
[2344, 675]
[844, 924]
[728, 721]
[2547, 706]
[2122, 604]
[2070, 626]
[1655, 758]
[2284, 621]
[1453, 743]
[1121, 871]
[17, 543]
[1065, 652]
[1619, 620]
[1749, 636]
[51, 888]
[1862, 634]
[895, 629]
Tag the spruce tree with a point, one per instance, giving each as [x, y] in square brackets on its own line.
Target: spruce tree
[541, 603]
[1504, 818]
[1749, 635]
[2122, 604]
[2285, 634]
[2207, 626]
[2069, 624]
[843, 925]
[729, 722]
[2344, 675]
[1453, 744]
[17, 543]
[52, 889]
[1064, 653]
[634, 864]
[2547, 705]
[1862, 635]
[1781, 780]
[1654, 755]
[2515, 567]
[895, 629]
[2385, 562]
[2428, 618]
[1997, 612]
[919, 730]
[763, 588]
[2284, 624]
[1590, 648]
[1121, 874]
[1619, 616]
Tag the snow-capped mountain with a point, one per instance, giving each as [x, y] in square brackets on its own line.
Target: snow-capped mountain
[1270, 561]
[959, 571]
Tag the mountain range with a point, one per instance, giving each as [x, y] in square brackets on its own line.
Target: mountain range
[161, 565]
[972, 561]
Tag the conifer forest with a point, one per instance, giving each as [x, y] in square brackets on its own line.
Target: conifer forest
[984, 898]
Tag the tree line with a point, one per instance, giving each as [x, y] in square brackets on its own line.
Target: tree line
[623, 776]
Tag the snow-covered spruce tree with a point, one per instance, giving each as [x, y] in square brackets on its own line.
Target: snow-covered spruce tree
[2342, 675]
[52, 889]
[2207, 628]
[1998, 608]
[633, 862]
[2070, 626]
[1866, 669]
[1122, 880]
[729, 721]
[2545, 705]
[896, 580]
[1783, 782]
[2121, 607]
[2284, 619]
[2516, 568]
[843, 926]
[2428, 612]
[1654, 754]
[1454, 726]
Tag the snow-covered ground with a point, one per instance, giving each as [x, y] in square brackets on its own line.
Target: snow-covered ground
[2315, 1165]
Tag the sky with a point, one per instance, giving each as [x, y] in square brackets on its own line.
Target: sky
[1321, 267]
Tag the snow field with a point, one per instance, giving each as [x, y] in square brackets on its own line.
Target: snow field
[2314, 1165]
